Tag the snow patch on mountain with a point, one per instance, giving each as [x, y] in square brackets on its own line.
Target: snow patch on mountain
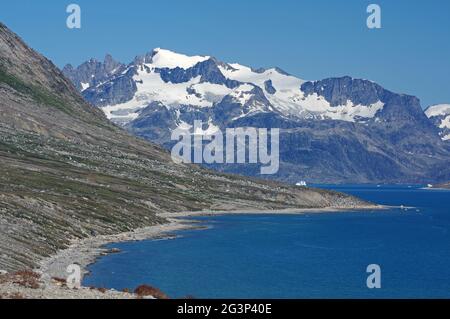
[84, 86]
[440, 116]
[243, 94]
[245, 74]
[211, 128]
[150, 87]
[438, 110]
[348, 112]
[287, 88]
[445, 123]
[168, 59]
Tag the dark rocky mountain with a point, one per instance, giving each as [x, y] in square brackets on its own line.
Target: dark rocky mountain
[66, 172]
[337, 130]
[93, 72]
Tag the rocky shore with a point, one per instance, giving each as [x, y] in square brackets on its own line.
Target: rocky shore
[443, 186]
[47, 280]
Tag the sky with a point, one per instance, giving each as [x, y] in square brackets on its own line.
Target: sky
[309, 39]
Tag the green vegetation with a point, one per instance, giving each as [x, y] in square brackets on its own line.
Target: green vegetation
[40, 95]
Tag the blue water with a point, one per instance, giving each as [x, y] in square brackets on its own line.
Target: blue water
[299, 256]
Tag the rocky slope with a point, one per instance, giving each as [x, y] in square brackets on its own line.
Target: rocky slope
[337, 130]
[66, 172]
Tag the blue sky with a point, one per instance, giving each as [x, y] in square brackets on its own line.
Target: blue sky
[309, 39]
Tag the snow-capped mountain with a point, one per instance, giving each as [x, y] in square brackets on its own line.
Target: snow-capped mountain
[177, 81]
[333, 130]
[440, 116]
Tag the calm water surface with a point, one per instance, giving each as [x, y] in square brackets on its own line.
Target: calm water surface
[298, 256]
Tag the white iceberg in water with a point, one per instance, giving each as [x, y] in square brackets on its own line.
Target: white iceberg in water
[301, 183]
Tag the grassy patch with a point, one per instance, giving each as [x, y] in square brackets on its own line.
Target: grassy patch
[38, 94]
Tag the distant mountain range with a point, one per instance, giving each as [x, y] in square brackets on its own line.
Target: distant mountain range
[336, 130]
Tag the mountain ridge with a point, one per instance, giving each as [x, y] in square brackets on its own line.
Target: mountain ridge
[155, 94]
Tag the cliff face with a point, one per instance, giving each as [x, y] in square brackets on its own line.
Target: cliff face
[66, 172]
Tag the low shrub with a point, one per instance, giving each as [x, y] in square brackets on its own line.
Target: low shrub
[26, 278]
[145, 290]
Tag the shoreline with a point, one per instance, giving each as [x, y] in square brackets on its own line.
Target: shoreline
[285, 211]
[436, 189]
[86, 251]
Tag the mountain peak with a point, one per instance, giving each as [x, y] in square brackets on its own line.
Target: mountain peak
[163, 58]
